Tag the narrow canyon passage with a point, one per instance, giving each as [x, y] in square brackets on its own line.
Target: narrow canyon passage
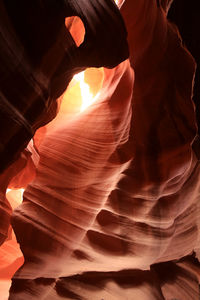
[103, 197]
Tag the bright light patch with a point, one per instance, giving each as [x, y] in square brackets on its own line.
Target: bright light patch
[87, 97]
[15, 197]
[83, 90]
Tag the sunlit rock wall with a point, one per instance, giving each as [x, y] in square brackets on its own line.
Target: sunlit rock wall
[113, 209]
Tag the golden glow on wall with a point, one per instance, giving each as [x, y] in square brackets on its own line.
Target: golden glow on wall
[82, 92]
[87, 97]
[15, 196]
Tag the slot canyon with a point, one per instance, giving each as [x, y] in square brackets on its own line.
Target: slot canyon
[99, 150]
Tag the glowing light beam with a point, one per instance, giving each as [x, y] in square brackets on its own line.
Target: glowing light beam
[87, 97]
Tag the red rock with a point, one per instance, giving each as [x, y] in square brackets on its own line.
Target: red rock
[113, 209]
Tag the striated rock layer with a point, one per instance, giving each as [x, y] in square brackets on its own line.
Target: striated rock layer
[114, 207]
[38, 57]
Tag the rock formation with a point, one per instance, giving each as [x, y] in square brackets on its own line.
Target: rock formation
[113, 209]
[38, 59]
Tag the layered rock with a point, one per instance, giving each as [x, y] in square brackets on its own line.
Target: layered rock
[114, 207]
[38, 58]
